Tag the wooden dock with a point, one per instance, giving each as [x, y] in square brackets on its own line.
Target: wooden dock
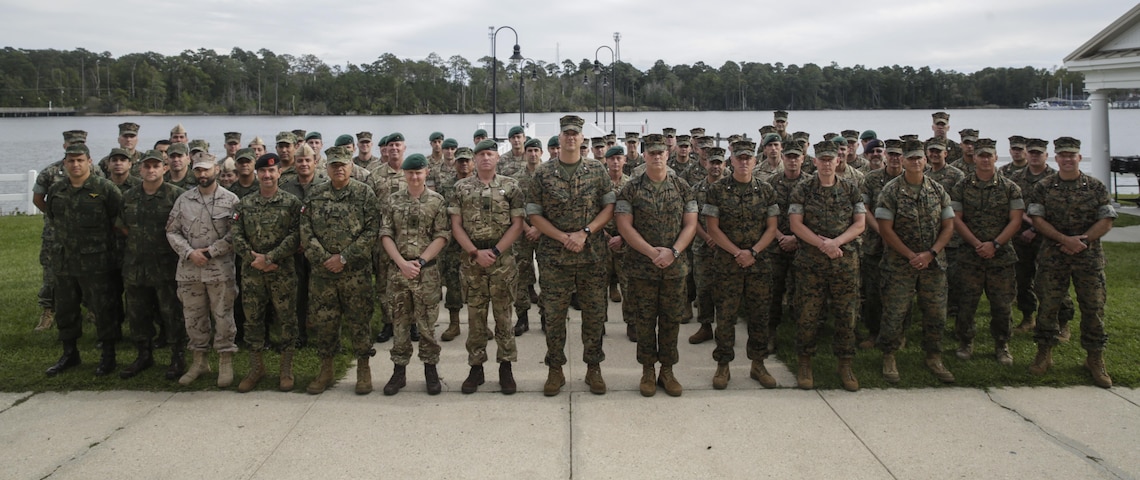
[8, 112]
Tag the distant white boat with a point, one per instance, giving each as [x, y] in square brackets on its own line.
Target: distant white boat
[1055, 103]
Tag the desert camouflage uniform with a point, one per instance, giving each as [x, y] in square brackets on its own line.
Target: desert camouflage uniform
[269, 226]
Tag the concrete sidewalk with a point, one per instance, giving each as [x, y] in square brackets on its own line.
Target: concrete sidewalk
[742, 432]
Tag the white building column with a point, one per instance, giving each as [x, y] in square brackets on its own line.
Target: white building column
[1098, 145]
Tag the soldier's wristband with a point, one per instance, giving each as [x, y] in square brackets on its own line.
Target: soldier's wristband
[421, 262]
[933, 253]
[495, 250]
[754, 252]
[206, 253]
[997, 244]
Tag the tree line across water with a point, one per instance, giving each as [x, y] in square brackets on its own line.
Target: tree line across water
[263, 82]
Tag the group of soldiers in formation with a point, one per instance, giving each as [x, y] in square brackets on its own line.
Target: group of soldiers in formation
[314, 238]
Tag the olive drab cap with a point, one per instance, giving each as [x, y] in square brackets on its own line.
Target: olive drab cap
[178, 130]
[615, 150]
[744, 147]
[780, 115]
[771, 138]
[286, 137]
[968, 135]
[464, 152]
[908, 137]
[850, 135]
[128, 128]
[1037, 145]
[985, 146]
[1017, 141]
[298, 135]
[766, 129]
[119, 152]
[697, 132]
[178, 148]
[481, 146]
[669, 131]
[893, 145]
[705, 142]
[716, 154]
[793, 148]
[940, 118]
[655, 142]
[631, 137]
[199, 146]
[78, 149]
[416, 161]
[154, 155]
[533, 143]
[232, 137]
[597, 142]
[244, 154]
[339, 154]
[933, 143]
[362, 136]
[203, 160]
[435, 136]
[343, 140]
[450, 143]
[267, 160]
[826, 148]
[1066, 145]
[75, 136]
[913, 148]
[681, 139]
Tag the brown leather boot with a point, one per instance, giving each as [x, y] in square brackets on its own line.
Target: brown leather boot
[431, 376]
[1095, 364]
[507, 378]
[760, 374]
[847, 376]
[256, 371]
[285, 383]
[1064, 334]
[363, 376]
[934, 363]
[702, 335]
[452, 328]
[615, 294]
[47, 319]
[1002, 355]
[721, 377]
[474, 379]
[890, 369]
[324, 378]
[554, 381]
[804, 378]
[1028, 323]
[1042, 361]
[648, 385]
[669, 382]
[631, 332]
[594, 379]
[398, 380]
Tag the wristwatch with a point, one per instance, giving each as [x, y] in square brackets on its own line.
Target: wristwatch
[587, 230]
[996, 243]
[421, 261]
[676, 254]
[754, 252]
[342, 260]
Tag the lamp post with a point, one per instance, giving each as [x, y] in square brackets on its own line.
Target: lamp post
[533, 76]
[613, 88]
[515, 58]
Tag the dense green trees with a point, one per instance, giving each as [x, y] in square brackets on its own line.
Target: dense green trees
[262, 82]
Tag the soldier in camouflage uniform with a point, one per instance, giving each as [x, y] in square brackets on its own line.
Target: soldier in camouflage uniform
[1017, 156]
[414, 229]
[742, 216]
[450, 257]
[199, 232]
[804, 139]
[525, 245]
[871, 275]
[513, 160]
[782, 252]
[82, 209]
[128, 140]
[486, 214]
[827, 213]
[303, 180]
[1027, 243]
[364, 157]
[965, 162]
[615, 244]
[769, 164]
[940, 126]
[243, 161]
[947, 176]
[916, 221]
[149, 268]
[436, 173]
[854, 160]
[987, 209]
[339, 224]
[49, 175]
[873, 151]
[179, 174]
[387, 179]
[656, 214]
[703, 249]
[570, 199]
[266, 235]
[632, 152]
[286, 148]
[1072, 211]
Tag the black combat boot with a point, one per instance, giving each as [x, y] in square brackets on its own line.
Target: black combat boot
[69, 359]
[107, 362]
[143, 361]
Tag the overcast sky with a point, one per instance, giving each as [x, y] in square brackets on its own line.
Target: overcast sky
[963, 35]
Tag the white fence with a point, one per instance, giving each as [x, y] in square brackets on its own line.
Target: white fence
[27, 182]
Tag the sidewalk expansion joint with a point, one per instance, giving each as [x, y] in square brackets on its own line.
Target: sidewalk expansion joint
[19, 401]
[1085, 452]
[856, 434]
[91, 446]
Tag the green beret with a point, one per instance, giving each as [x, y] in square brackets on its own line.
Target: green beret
[770, 138]
[383, 141]
[533, 143]
[515, 130]
[416, 161]
[450, 143]
[481, 146]
[343, 140]
[435, 136]
[479, 133]
[615, 150]
[312, 135]
[839, 140]
[868, 135]
[553, 142]
[78, 148]
[395, 137]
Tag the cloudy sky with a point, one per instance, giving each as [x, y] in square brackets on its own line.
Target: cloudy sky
[964, 35]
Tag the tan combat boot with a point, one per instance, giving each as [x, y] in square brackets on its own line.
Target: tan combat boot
[594, 379]
[1095, 364]
[285, 383]
[847, 375]
[702, 335]
[452, 328]
[890, 369]
[1028, 323]
[648, 385]
[256, 371]
[669, 382]
[1064, 334]
[200, 366]
[804, 378]
[324, 378]
[554, 381]
[722, 376]
[225, 369]
[1042, 361]
[47, 319]
[934, 363]
[965, 350]
[363, 376]
[1001, 353]
[760, 374]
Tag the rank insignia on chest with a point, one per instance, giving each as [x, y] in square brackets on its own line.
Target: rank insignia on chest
[93, 195]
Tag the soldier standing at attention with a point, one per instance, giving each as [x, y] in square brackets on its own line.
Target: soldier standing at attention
[632, 154]
[615, 246]
[770, 164]
[364, 157]
[199, 232]
[513, 161]
[827, 213]
[916, 221]
[449, 269]
[246, 182]
[149, 268]
[179, 173]
[703, 248]
[300, 184]
[413, 230]
[82, 209]
[128, 140]
[266, 234]
[552, 147]
[987, 209]
[486, 218]
[965, 162]
[656, 214]
[870, 274]
[1072, 211]
[50, 174]
[232, 144]
[386, 180]
[742, 216]
[524, 246]
[1018, 159]
[940, 126]
[782, 252]
[569, 200]
[338, 229]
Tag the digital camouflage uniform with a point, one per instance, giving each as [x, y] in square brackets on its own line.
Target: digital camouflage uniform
[949, 176]
[413, 223]
[657, 294]
[985, 208]
[1026, 266]
[82, 255]
[614, 271]
[241, 191]
[341, 222]
[871, 276]
[917, 217]
[1071, 207]
[1010, 168]
[301, 263]
[150, 266]
[524, 250]
[269, 226]
[486, 211]
[742, 211]
[783, 278]
[449, 257]
[703, 273]
[569, 203]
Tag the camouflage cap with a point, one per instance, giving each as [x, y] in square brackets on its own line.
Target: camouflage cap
[267, 160]
[801, 136]
[479, 133]
[450, 143]
[597, 142]
[533, 143]
[286, 137]
[78, 149]
[75, 136]
[696, 132]
[304, 151]
[435, 136]
[128, 129]
[340, 154]
[744, 147]
[571, 122]
[178, 149]
[793, 148]
[850, 135]
[342, 140]
[893, 145]
[631, 136]
[232, 137]
[486, 145]
[780, 115]
[655, 142]
[908, 137]
[298, 135]
[771, 138]
[985, 146]
[610, 137]
[203, 160]
[153, 155]
[119, 152]
[553, 141]
[178, 130]
[940, 118]
[256, 141]
[735, 137]
[464, 153]
[417, 161]
[395, 137]
[913, 148]
[199, 146]
[1017, 141]
[826, 148]
[1037, 145]
[682, 140]
[313, 135]
[830, 135]
[766, 129]
[617, 150]
[968, 135]
[244, 154]
[669, 131]
[716, 154]
[1066, 145]
[705, 142]
[934, 143]
[364, 137]
[868, 135]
